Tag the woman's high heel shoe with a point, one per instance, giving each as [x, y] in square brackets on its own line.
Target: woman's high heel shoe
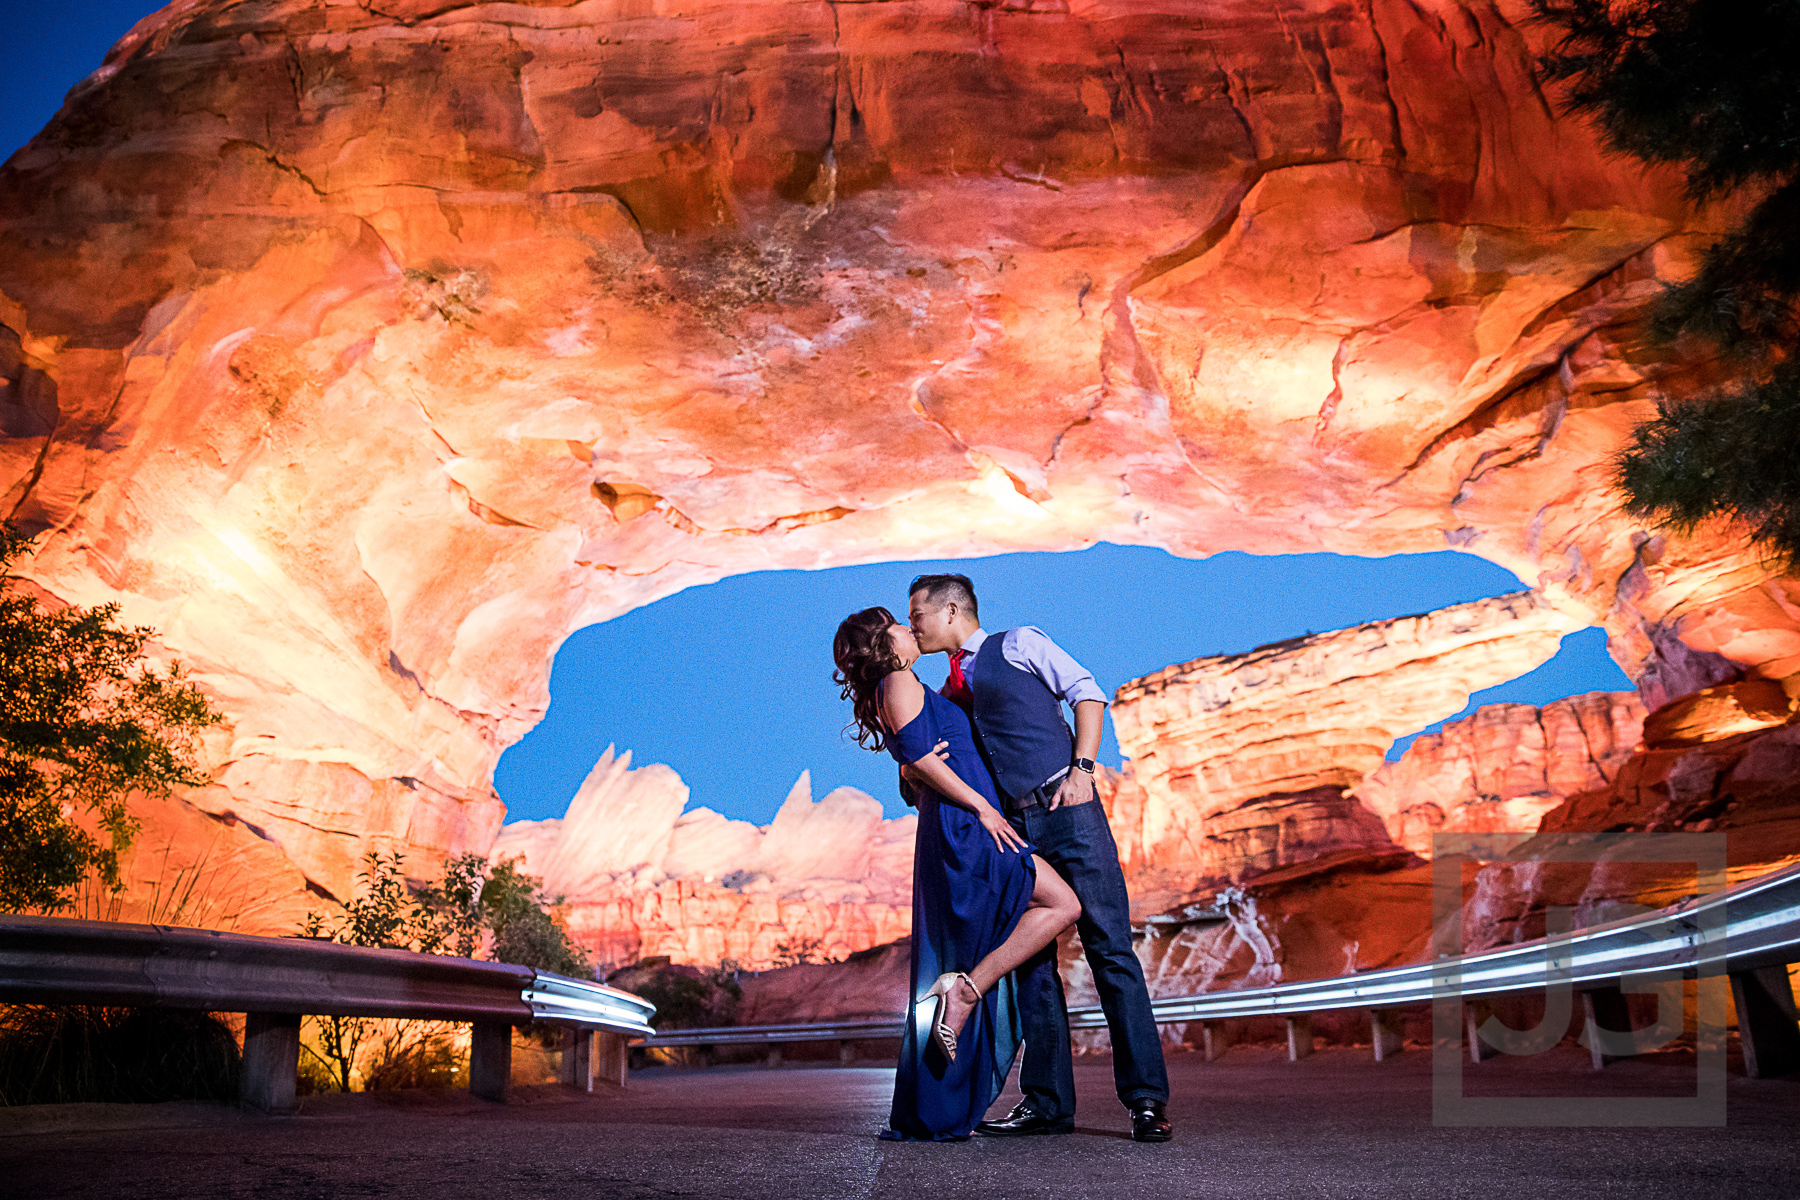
[942, 1036]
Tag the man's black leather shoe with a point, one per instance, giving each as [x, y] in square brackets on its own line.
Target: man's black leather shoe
[1148, 1124]
[1024, 1121]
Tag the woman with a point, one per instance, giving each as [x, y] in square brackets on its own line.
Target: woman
[983, 903]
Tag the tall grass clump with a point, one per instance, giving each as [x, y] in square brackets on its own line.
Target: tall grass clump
[65, 1054]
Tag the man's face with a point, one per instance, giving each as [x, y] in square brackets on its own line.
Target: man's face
[931, 624]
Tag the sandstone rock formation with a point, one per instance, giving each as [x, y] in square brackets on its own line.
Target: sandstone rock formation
[1361, 910]
[1503, 767]
[641, 878]
[867, 985]
[366, 351]
[1748, 785]
[1243, 760]
[1724, 761]
[187, 866]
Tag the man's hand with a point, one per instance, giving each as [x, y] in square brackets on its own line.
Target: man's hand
[1077, 787]
[941, 752]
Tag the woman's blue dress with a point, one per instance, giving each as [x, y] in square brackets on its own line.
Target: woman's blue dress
[967, 897]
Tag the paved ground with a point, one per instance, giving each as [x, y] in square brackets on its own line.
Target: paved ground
[1251, 1125]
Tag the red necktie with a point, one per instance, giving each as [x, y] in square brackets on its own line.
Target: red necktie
[956, 688]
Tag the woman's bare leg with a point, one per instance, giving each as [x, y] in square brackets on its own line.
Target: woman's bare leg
[1053, 908]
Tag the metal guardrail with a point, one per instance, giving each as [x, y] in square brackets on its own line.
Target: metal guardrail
[872, 1029]
[47, 960]
[1749, 928]
[1755, 924]
[276, 981]
[56, 960]
[559, 1000]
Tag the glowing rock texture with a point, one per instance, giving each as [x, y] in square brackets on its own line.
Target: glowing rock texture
[189, 867]
[1720, 761]
[1748, 783]
[366, 351]
[643, 878]
[1503, 767]
[1243, 760]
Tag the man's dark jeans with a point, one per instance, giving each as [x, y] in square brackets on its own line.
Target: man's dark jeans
[1079, 844]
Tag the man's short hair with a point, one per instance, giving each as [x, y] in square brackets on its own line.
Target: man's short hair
[947, 589]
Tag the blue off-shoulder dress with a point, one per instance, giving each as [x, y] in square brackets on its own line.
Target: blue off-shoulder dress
[967, 897]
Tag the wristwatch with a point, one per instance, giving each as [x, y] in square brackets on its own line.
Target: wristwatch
[1085, 764]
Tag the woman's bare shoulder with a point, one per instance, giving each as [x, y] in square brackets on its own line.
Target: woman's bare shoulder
[902, 683]
[900, 696]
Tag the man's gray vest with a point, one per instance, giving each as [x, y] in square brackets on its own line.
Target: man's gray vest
[1019, 720]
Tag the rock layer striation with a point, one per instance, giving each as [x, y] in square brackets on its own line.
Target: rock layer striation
[367, 351]
[1243, 761]
[1503, 767]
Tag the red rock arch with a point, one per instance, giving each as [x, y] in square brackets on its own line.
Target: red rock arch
[384, 349]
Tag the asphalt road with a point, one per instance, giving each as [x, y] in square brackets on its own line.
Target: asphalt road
[1250, 1125]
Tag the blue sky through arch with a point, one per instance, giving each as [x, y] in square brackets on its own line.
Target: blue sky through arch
[730, 684]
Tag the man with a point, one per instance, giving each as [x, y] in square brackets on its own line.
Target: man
[1013, 684]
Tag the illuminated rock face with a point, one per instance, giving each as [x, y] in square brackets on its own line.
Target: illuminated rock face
[365, 354]
[1748, 783]
[1243, 760]
[1501, 768]
[187, 866]
[642, 878]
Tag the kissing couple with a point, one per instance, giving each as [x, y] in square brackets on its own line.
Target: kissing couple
[1012, 849]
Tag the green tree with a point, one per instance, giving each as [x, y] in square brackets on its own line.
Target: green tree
[452, 907]
[85, 721]
[1712, 88]
[526, 930]
[386, 912]
[450, 916]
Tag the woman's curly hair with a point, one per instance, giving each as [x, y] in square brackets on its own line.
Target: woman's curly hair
[865, 657]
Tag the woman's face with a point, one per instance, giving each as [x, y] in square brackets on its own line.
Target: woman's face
[900, 637]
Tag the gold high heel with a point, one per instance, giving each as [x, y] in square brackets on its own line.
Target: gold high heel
[941, 1034]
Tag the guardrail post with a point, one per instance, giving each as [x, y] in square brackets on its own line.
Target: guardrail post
[846, 1052]
[1384, 1027]
[490, 1060]
[1767, 1028]
[1300, 1036]
[1608, 1025]
[1215, 1039]
[774, 1057]
[1475, 1014]
[577, 1059]
[612, 1058]
[271, 1059]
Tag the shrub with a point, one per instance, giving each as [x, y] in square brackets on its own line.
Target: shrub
[685, 997]
[799, 950]
[448, 916]
[526, 929]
